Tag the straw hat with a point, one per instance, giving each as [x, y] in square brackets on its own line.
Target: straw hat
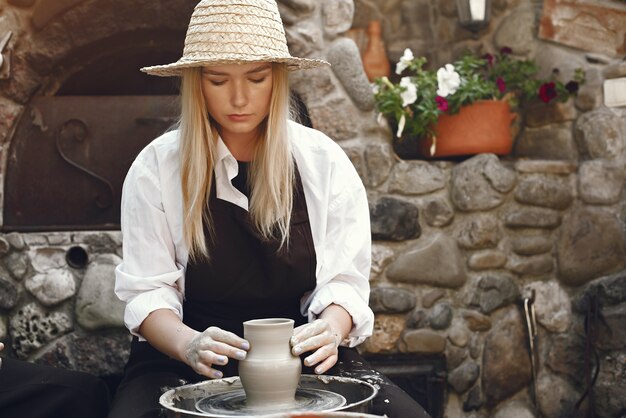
[234, 31]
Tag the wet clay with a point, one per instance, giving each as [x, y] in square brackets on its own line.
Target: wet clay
[270, 373]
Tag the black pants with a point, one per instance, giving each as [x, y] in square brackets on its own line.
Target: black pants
[30, 390]
[146, 380]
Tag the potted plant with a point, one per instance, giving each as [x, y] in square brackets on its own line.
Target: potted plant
[463, 108]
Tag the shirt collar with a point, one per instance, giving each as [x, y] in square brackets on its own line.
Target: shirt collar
[226, 169]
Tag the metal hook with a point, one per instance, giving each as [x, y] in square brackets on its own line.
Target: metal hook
[531, 324]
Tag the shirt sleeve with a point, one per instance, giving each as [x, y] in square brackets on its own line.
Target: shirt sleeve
[149, 277]
[344, 277]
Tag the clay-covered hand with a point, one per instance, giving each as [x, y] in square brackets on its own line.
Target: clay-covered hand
[214, 346]
[317, 336]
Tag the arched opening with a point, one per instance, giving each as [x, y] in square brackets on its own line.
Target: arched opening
[71, 150]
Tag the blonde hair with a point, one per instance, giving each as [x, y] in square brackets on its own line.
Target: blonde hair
[271, 177]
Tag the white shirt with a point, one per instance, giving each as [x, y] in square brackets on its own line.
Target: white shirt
[152, 274]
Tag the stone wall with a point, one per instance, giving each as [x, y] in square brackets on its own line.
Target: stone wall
[457, 244]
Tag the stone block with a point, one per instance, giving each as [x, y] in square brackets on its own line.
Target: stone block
[531, 244]
[494, 292]
[97, 306]
[458, 335]
[514, 409]
[464, 376]
[506, 363]
[379, 162]
[552, 305]
[437, 262]
[386, 333]
[610, 389]
[343, 55]
[52, 287]
[423, 341]
[324, 118]
[550, 191]
[487, 259]
[391, 299]
[337, 16]
[591, 243]
[17, 264]
[597, 27]
[438, 212]
[394, 219]
[529, 217]
[8, 291]
[556, 396]
[32, 327]
[479, 183]
[600, 135]
[566, 355]
[546, 143]
[517, 31]
[416, 177]
[478, 232]
[546, 166]
[531, 266]
[440, 316]
[432, 296]
[380, 257]
[600, 182]
[476, 321]
[541, 114]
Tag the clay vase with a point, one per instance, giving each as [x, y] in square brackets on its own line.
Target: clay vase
[375, 61]
[270, 373]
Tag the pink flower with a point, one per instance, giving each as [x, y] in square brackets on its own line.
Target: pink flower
[547, 92]
[489, 58]
[442, 104]
[506, 50]
[501, 84]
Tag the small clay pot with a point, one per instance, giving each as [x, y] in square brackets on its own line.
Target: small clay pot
[270, 373]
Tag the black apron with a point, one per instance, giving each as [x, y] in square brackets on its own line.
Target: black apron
[246, 278]
[249, 277]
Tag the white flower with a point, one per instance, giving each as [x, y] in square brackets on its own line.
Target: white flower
[448, 80]
[401, 126]
[409, 95]
[375, 88]
[404, 62]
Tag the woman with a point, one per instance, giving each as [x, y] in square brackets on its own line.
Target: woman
[239, 214]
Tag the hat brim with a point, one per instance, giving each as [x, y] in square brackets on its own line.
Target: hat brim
[176, 69]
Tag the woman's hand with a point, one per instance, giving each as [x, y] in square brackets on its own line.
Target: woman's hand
[1, 348]
[214, 346]
[320, 337]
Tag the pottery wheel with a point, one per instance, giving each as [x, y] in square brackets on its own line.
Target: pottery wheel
[233, 403]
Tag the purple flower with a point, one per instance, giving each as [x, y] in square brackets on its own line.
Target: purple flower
[506, 50]
[442, 104]
[501, 84]
[489, 58]
[547, 92]
[572, 87]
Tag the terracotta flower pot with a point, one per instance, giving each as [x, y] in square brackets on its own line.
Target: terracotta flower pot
[482, 127]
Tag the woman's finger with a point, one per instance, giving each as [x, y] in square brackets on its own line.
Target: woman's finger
[313, 343]
[227, 350]
[308, 330]
[326, 364]
[227, 337]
